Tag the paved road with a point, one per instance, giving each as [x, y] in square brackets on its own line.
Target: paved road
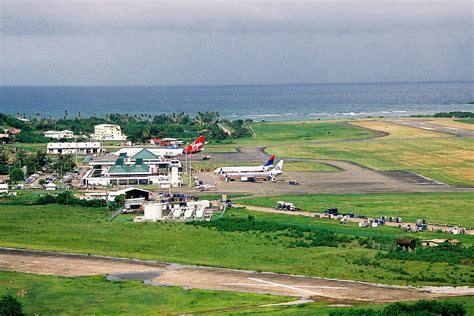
[432, 126]
[159, 273]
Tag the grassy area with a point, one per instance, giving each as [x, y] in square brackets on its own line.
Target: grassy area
[322, 308]
[469, 121]
[48, 295]
[443, 208]
[28, 146]
[450, 160]
[52, 295]
[288, 166]
[84, 230]
[292, 132]
[397, 130]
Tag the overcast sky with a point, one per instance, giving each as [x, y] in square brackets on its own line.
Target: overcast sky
[254, 42]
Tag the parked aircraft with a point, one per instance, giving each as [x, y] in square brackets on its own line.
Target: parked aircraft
[205, 187]
[264, 167]
[194, 147]
[255, 176]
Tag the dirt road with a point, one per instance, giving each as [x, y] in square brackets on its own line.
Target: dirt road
[159, 273]
[355, 220]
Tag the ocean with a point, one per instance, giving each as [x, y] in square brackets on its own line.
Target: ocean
[256, 102]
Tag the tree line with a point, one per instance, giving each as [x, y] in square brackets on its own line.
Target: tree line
[138, 127]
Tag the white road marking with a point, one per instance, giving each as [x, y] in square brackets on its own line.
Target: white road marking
[296, 286]
[283, 285]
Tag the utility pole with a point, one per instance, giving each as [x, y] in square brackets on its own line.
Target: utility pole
[190, 171]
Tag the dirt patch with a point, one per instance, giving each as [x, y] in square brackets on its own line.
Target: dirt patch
[64, 266]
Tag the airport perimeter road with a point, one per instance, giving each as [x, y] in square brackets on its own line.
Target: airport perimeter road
[158, 273]
[326, 216]
[432, 126]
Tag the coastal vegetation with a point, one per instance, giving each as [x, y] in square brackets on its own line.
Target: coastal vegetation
[138, 128]
[455, 114]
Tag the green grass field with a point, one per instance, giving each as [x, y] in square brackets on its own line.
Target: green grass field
[28, 146]
[52, 295]
[296, 132]
[443, 208]
[447, 160]
[84, 230]
[468, 121]
[323, 308]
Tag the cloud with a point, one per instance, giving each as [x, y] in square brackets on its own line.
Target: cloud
[29, 17]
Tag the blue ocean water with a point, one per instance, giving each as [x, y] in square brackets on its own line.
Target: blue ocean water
[257, 102]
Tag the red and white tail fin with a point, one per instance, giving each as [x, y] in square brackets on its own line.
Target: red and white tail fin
[196, 146]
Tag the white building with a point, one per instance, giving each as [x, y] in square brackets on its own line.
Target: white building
[50, 186]
[59, 134]
[108, 132]
[86, 148]
[3, 188]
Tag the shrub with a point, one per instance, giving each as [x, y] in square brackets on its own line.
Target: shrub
[10, 306]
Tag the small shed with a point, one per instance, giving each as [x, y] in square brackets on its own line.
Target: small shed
[51, 186]
[130, 193]
[3, 188]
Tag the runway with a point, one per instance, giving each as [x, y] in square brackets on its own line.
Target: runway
[200, 277]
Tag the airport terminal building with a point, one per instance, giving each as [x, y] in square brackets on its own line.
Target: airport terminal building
[143, 168]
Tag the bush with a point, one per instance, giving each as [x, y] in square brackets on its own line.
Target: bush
[10, 306]
[423, 307]
[457, 114]
[444, 252]
[68, 198]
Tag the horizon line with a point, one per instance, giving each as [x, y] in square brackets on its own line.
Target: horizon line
[234, 85]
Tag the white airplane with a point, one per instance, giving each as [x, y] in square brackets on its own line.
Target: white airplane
[255, 176]
[264, 167]
[194, 147]
[205, 187]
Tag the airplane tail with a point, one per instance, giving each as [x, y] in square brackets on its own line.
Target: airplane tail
[269, 162]
[278, 168]
[195, 146]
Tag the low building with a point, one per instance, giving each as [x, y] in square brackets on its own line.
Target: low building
[3, 188]
[59, 134]
[14, 131]
[85, 148]
[50, 186]
[108, 132]
[130, 193]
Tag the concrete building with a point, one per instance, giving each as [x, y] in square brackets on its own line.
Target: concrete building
[59, 134]
[108, 132]
[143, 168]
[86, 148]
[3, 188]
[50, 186]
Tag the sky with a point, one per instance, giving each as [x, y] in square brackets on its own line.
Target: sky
[228, 42]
